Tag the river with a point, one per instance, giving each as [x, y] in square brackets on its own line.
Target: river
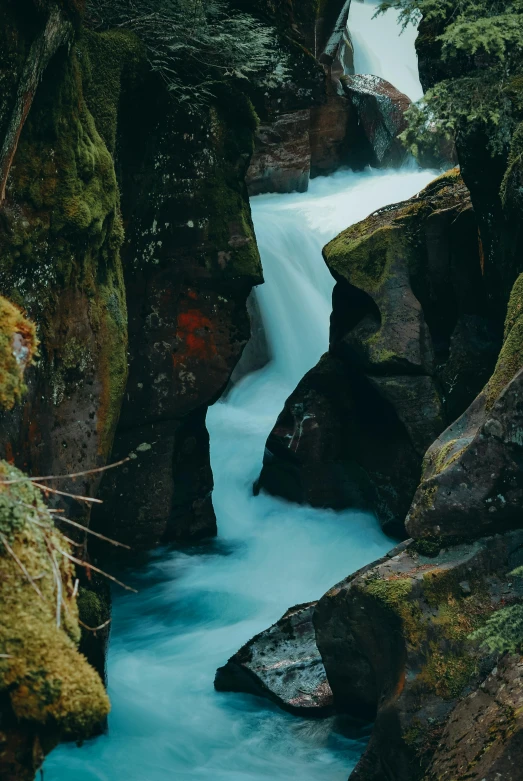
[197, 606]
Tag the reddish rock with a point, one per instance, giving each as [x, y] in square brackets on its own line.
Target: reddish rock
[282, 156]
[329, 135]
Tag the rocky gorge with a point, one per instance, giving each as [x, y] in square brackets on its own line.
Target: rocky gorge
[153, 316]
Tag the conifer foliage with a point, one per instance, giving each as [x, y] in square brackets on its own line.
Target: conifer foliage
[193, 44]
[481, 47]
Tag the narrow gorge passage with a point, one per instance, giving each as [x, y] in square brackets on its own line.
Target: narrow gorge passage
[197, 607]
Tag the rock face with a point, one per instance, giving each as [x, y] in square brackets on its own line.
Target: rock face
[282, 160]
[395, 639]
[47, 689]
[471, 483]
[191, 260]
[483, 737]
[304, 129]
[67, 226]
[282, 664]
[377, 114]
[412, 343]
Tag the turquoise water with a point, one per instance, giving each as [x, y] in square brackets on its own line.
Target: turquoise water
[197, 607]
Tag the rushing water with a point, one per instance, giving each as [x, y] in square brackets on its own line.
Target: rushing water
[196, 607]
[382, 49]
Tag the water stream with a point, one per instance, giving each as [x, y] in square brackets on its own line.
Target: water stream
[196, 607]
[382, 49]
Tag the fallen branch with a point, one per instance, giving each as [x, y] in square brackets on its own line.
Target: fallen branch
[46, 489]
[95, 628]
[72, 523]
[71, 476]
[95, 569]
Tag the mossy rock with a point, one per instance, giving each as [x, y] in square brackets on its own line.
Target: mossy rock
[18, 346]
[49, 684]
[397, 639]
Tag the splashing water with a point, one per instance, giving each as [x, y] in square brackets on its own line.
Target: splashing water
[196, 607]
[382, 49]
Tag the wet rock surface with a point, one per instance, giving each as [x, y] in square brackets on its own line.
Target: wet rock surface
[377, 113]
[395, 639]
[283, 664]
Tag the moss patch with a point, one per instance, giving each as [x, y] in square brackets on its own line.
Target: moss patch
[18, 345]
[48, 682]
[510, 358]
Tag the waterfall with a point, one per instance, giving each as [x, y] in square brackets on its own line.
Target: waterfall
[382, 49]
[196, 607]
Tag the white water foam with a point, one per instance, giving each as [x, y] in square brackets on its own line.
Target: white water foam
[382, 49]
[197, 607]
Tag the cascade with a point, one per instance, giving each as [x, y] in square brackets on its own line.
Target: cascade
[197, 606]
[382, 49]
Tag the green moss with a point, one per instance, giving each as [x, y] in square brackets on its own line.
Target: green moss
[359, 255]
[108, 60]
[66, 245]
[447, 674]
[48, 682]
[92, 608]
[18, 345]
[510, 358]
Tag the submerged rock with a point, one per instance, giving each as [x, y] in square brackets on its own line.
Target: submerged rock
[412, 343]
[396, 641]
[283, 664]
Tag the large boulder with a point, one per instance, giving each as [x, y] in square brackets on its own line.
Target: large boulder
[412, 343]
[378, 118]
[472, 478]
[283, 664]
[397, 642]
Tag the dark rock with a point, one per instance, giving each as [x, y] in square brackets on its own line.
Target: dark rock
[281, 162]
[283, 664]
[191, 261]
[329, 135]
[411, 345]
[471, 483]
[377, 114]
[483, 739]
[395, 639]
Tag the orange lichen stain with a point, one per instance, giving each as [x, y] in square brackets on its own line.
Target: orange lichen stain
[194, 332]
[401, 683]
[192, 294]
